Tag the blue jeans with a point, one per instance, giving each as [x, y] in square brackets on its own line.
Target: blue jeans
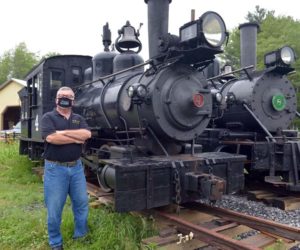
[60, 181]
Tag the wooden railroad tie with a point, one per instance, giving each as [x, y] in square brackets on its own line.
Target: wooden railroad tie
[102, 198]
[279, 201]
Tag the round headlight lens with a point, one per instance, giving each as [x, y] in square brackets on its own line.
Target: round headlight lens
[219, 97]
[130, 91]
[141, 91]
[214, 29]
[287, 55]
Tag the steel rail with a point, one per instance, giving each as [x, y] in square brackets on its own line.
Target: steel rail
[208, 236]
[257, 223]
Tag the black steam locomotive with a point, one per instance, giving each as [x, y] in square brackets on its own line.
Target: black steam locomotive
[254, 114]
[149, 119]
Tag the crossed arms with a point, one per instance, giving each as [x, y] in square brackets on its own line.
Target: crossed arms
[61, 137]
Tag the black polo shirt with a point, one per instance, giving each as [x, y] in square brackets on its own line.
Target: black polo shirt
[53, 121]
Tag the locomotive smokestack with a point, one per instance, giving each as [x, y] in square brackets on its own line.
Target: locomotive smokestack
[248, 37]
[158, 20]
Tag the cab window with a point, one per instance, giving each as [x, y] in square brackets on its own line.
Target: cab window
[76, 74]
[56, 81]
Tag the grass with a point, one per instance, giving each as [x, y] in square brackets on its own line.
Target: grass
[23, 215]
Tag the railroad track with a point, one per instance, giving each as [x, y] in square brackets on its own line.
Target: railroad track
[224, 229]
[200, 226]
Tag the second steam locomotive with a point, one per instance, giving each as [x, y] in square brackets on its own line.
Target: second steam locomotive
[255, 114]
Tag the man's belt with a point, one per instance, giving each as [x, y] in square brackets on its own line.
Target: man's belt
[65, 163]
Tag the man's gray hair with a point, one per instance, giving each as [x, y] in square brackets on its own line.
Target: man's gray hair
[64, 88]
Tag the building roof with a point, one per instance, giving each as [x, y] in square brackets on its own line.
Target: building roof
[21, 82]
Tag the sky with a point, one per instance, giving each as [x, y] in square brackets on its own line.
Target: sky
[75, 26]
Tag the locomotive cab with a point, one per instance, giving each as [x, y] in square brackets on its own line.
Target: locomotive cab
[38, 97]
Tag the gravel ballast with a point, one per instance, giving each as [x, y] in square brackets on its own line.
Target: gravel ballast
[258, 209]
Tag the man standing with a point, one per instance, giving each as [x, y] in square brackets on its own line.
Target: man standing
[64, 133]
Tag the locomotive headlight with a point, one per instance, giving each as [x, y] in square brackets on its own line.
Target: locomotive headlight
[137, 90]
[209, 29]
[214, 29]
[219, 97]
[284, 56]
[141, 90]
[130, 91]
[287, 55]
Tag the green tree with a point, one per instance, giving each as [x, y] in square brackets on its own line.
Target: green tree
[275, 32]
[16, 62]
[259, 15]
[278, 32]
[232, 50]
[5, 67]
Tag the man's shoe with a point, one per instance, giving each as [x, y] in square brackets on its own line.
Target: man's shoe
[57, 248]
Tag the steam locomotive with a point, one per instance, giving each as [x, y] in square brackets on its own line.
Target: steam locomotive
[154, 139]
[254, 116]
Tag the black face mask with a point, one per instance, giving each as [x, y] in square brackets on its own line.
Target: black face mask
[64, 102]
